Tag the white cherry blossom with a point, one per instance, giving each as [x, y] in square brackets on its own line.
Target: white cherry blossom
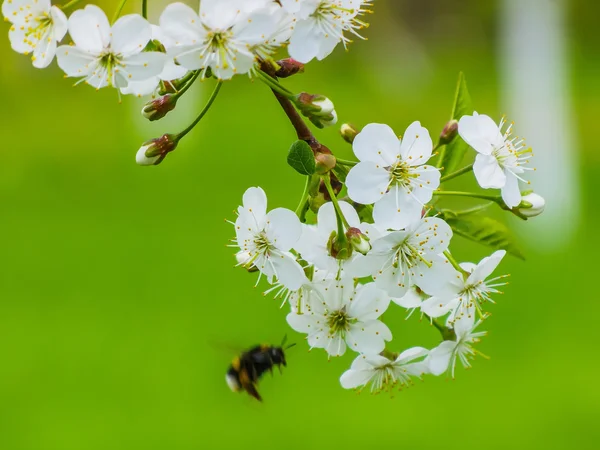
[500, 160]
[443, 358]
[220, 37]
[171, 71]
[36, 28]
[344, 317]
[465, 296]
[313, 242]
[322, 25]
[383, 373]
[265, 240]
[412, 257]
[104, 56]
[392, 173]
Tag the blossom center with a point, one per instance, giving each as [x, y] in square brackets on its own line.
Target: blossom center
[262, 243]
[338, 322]
[400, 174]
[37, 33]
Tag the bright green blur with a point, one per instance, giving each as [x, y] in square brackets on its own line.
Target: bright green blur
[120, 309]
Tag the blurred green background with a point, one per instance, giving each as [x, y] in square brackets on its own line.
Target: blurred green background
[120, 309]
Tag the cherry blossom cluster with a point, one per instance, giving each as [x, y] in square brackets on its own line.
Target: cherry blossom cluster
[340, 275]
[220, 37]
[370, 236]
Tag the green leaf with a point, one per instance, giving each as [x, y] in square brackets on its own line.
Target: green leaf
[302, 158]
[453, 154]
[483, 229]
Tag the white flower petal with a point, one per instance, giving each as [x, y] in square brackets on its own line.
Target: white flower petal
[480, 132]
[74, 61]
[302, 323]
[439, 306]
[441, 279]
[377, 143]
[18, 39]
[485, 268]
[144, 65]
[283, 228]
[367, 182]
[304, 43]
[439, 358]
[412, 299]
[289, 273]
[412, 354]
[488, 172]
[354, 378]
[396, 209]
[181, 24]
[44, 51]
[427, 181]
[368, 337]
[90, 30]
[510, 192]
[336, 346]
[416, 146]
[130, 35]
[369, 303]
[60, 23]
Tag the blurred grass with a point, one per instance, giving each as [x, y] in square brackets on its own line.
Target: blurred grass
[120, 308]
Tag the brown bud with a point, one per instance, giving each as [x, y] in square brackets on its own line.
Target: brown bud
[449, 132]
[289, 67]
[159, 108]
[155, 150]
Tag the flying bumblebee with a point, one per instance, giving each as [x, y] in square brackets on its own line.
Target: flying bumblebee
[247, 369]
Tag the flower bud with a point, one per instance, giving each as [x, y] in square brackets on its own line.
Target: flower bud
[348, 133]
[449, 132]
[289, 67]
[339, 248]
[532, 204]
[318, 108]
[325, 162]
[154, 151]
[160, 107]
[359, 241]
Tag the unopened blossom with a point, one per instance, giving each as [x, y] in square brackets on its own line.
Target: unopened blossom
[104, 56]
[322, 25]
[413, 257]
[532, 205]
[171, 71]
[501, 158]
[392, 173]
[466, 295]
[265, 239]
[220, 37]
[443, 358]
[36, 28]
[345, 316]
[384, 373]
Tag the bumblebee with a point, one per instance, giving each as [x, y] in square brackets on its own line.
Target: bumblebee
[247, 369]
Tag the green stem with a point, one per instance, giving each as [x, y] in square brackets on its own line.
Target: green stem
[145, 9]
[454, 262]
[70, 4]
[439, 145]
[346, 162]
[335, 202]
[468, 194]
[441, 328]
[202, 113]
[302, 206]
[273, 84]
[189, 83]
[474, 210]
[457, 173]
[119, 10]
